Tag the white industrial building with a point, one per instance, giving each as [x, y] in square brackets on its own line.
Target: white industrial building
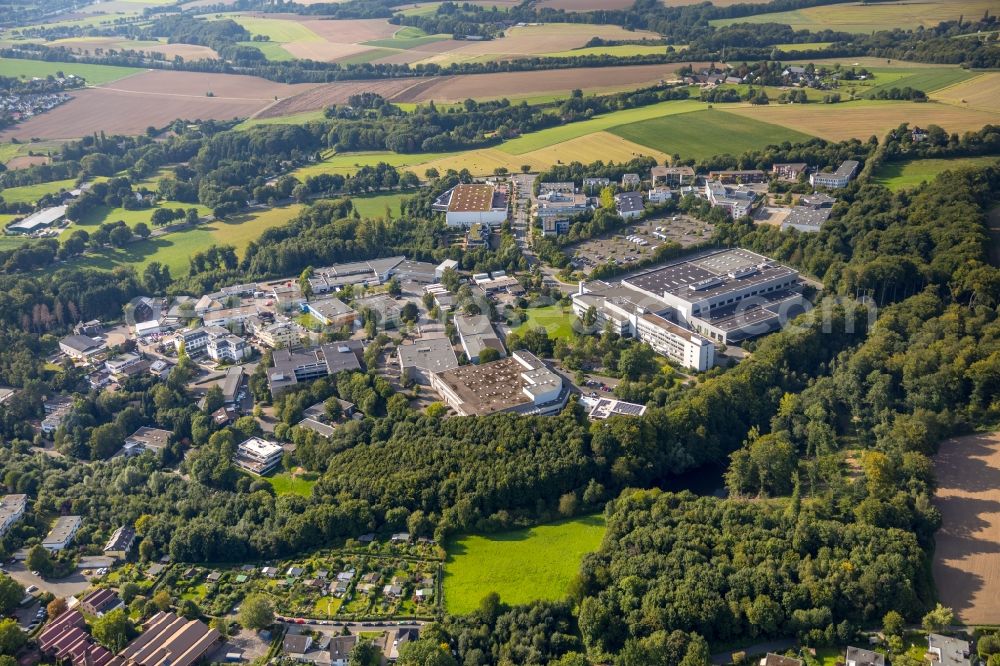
[839, 178]
[522, 384]
[465, 205]
[38, 221]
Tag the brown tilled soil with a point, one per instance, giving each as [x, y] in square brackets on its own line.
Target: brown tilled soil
[186, 51]
[967, 553]
[25, 161]
[458, 88]
[156, 98]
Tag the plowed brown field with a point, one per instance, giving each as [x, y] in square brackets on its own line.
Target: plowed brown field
[967, 553]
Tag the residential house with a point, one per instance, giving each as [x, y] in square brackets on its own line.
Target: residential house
[737, 201]
[275, 335]
[595, 185]
[629, 205]
[228, 348]
[101, 601]
[288, 295]
[62, 533]
[395, 639]
[949, 651]
[12, 508]
[772, 659]
[790, 171]
[860, 657]
[738, 176]
[660, 194]
[167, 638]
[120, 544]
[146, 439]
[630, 181]
[341, 648]
[671, 176]
[567, 187]
[65, 639]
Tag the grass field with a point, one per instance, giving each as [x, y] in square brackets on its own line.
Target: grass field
[271, 50]
[94, 74]
[284, 483]
[277, 30]
[862, 18]
[174, 250]
[906, 175]
[374, 205]
[702, 134]
[521, 566]
[621, 51]
[101, 214]
[555, 319]
[32, 193]
[929, 80]
[367, 56]
[792, 48]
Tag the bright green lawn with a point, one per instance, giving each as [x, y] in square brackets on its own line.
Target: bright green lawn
[703, 134]
[326, 607]
[374, 205]
[94, 74]
[555, 319]
[32, 193]
[521, 566]
[101, 214]
[928, 80]
[906, 175]
[286, 484]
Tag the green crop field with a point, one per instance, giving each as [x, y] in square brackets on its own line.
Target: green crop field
[906, 175]
[792, 48]
[865, 18]
[367, 56]
[521, 566]
[555, 319]
[94, 74]
[285, 483]
[277, 30]
[702, 134]
[348, 163]
[928, 80]
[555, 135]
[407, 38]
[102, 214]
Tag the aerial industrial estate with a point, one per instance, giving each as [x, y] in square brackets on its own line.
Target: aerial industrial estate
[542, 333]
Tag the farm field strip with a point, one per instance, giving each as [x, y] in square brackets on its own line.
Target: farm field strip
[836, 122]
[94, 74]
[705, 133]
[864, 18]
[981, 92]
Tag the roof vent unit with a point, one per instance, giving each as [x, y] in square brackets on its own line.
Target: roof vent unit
[705, 284]
[746, 271]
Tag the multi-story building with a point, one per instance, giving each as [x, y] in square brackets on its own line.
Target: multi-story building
[228, 348]
[292, 366]
[790, 171]
[476, 334]
[521, 383]
[839, 178]
[258, 455]
[629, 205]
[331, 312]
[737, 201]
[421, 359]
[733, 177]
[62, 533]
[12, 508]
[276, 335]
[681, 344]
[671, 176]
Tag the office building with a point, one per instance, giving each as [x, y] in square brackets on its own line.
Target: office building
[292, 366]
[476, 334]
[423, 358]
[258, 455]
[521, 384]
[839, 178]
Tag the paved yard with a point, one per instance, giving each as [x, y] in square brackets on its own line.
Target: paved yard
[65, 587]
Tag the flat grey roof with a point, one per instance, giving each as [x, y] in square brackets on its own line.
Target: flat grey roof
[433, 354]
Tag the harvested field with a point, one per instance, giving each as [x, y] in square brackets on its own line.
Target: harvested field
[350, 31]
[187, 51]
[981, 93]
[154, 98]
[317, 39]
[25, 161]
[864, 18]
[337, 93]
[535, 39]
[323, 51]
[967, 552]
[837, 122]
[587, 5]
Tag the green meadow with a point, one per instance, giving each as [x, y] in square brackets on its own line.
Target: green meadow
[94, 74]
[555, 319]
[907, 175]
[702, 134]
[521, 565]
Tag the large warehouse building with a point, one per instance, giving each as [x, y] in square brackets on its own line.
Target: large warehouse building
[466, 205]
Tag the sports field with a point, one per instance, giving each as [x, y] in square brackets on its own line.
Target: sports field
[906, 175]
[94, 74]
[865, 18]
[521, 566]
[702, 134]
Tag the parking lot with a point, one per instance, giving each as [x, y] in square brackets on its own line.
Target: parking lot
[638, 241]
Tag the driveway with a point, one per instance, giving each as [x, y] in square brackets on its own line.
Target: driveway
[70, 586]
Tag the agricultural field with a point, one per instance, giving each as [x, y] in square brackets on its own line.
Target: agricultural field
[907, 175]
[549, 84]
[966, 558]
[555, 319]
[88, 45]
[981, 93]
[866, 18]
[836, 122]
[374, 205]
[702, 134]
[621, 51]
[95, 75]
[521, 565]
[154, 98]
